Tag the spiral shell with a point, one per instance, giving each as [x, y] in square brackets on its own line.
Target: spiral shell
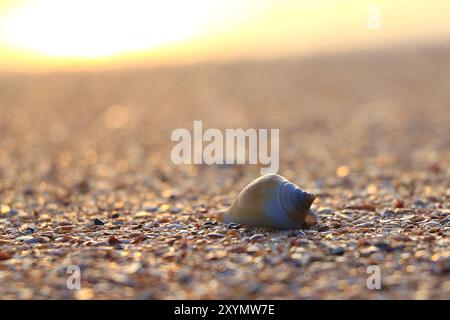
[271, 201]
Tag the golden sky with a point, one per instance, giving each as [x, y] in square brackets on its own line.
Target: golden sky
[73, 34]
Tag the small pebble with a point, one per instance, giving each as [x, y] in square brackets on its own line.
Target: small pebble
[113, 240]
[151, 208]
[383, 245]
[151, 225]
[4, 255]
[98, 222]
[233, 233]
[215, 235]
[234, 226]
[176, 226]
[208, 224]
[142, 214]
[296, 233]
[337, 251]
[29, 230]
[28, 239]
[257, 237]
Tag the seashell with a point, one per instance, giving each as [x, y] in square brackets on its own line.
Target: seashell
[271, 201]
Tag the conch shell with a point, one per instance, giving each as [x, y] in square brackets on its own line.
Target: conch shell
[271, 201]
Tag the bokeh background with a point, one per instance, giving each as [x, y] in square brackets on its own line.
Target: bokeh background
[51, 34]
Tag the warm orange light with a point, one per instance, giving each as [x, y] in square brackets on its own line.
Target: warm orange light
[73, 34]
[96, 28]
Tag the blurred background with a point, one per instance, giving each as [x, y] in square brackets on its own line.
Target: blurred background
[51, 34]
[346, 81]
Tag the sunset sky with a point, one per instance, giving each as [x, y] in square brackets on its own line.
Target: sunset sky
[79, 34]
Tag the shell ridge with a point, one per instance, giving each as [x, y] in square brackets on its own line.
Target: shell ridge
[283, 219]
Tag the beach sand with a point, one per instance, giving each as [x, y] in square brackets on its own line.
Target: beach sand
[367, 132]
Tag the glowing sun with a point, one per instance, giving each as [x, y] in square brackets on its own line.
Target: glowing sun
[96, 28]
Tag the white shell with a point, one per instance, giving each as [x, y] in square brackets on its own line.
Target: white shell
[271, 201]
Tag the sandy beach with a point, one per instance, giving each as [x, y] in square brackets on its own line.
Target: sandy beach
[86, 179]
